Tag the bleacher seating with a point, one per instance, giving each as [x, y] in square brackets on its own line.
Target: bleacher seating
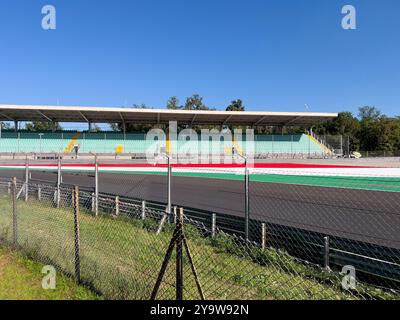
[109, 142]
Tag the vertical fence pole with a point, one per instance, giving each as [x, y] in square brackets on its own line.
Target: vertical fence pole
[213, 224]
[75, 195]
[169, 186]
[117, 205]
[39, 192]
[291, 146]
[341, 145]
[58, 181]
[92, 202]
[9, 188]
[26, 178]
[14, 208]
[326, 251]
[263, 235]
[143, 209]
[179, 256]
[247, 203]
[175, 213]
[96, 187]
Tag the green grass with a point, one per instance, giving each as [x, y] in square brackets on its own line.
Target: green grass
[21, 279]
[121, 257]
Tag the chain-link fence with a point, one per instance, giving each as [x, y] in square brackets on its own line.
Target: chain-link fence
[380, 154]
[309, 236]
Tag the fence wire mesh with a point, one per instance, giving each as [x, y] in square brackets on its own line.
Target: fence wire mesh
[303, 229]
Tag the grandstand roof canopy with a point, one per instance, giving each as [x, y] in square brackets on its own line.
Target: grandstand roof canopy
[158, 116]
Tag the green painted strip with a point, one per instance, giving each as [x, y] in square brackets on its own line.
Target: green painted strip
[365, 183]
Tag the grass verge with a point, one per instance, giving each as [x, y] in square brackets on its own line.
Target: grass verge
[120, 258]
[21, 279]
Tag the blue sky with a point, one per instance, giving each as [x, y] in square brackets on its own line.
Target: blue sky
[274, 55]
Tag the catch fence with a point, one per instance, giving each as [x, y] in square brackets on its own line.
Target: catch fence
[121, 253]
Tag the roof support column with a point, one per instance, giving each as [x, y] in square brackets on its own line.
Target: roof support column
[16, 125]
[124, 131]
[89, 126]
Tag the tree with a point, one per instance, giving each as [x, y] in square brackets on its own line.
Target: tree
[195, 102]
[345, 125]
[42, 126]
[368, 113]
[389, 134]
[131, 127]
[236, 105]
[369, 128]
[173, 103]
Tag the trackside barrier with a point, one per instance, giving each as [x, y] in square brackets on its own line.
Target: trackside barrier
[313, 249]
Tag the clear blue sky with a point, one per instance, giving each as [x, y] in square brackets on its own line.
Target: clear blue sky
[274, 55]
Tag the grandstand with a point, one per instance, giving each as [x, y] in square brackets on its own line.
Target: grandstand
[114, 142]
[14, 141]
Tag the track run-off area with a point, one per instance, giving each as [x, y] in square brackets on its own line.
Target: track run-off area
[353, 202]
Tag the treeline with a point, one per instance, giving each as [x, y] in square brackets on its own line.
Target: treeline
[370, 130]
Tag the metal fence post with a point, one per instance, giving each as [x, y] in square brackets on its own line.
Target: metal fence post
[14, 208]
[175, 213]
[93, 202]
[247, 203]
[341, 145]
[117, 205]
[213, 224]
[263, 235]
[143, 209]
[326, 251]
[9, 188]
[75, 195]
[169, 186]
[26, 178]
[96, 190]
[179, 256]
[291, 145]
[58, 181]
[39, 192]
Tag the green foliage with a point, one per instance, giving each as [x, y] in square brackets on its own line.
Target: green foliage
[370, 131]
[236, 105]
[42, 126]
[173, 103]
[195, 102]
[131, 127]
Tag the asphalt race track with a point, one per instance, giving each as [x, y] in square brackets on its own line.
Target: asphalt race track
[370, 216]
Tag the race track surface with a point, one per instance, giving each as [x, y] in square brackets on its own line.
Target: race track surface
[365, 215]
